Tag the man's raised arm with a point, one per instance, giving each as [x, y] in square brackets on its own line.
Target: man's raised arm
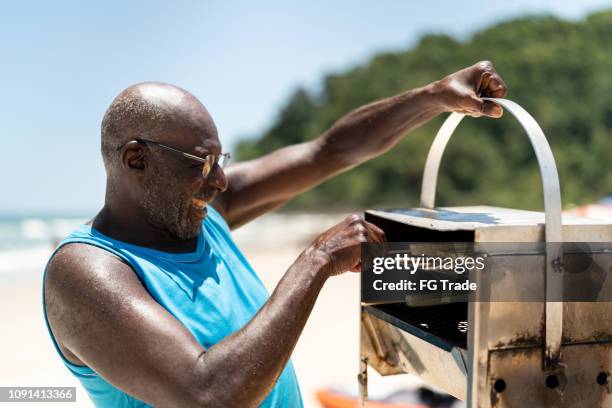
[263, 184]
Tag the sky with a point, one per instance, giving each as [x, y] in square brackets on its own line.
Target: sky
[62, 63]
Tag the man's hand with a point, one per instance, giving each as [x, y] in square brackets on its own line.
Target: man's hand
[341, 244]
[461, 91]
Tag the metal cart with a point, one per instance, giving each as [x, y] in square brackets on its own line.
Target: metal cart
[497, 354]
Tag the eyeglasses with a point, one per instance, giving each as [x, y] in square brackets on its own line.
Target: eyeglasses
[209, 161]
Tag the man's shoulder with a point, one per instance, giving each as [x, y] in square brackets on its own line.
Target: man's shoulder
[78, 271]
[82, 258]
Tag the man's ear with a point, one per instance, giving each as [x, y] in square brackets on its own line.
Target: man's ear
[134, 158]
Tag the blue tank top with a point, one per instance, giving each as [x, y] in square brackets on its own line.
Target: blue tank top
[212, 291]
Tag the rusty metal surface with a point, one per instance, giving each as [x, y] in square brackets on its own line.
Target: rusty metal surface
[515, 324]
[401, 352]
[509, 328]
[377, 339]
[526, 385]
[587, 322]
[520, 323]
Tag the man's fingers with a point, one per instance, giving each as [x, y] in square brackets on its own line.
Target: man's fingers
[473, 106]
[479, 107]
[380, 234]
[369, 236]
[490, 84]
[496, 88]
[366, 231]
[483, 85]
[492, 109]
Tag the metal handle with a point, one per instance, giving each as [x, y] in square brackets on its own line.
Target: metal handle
[552, 209]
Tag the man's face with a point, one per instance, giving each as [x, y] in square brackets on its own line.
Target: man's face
[175, 194]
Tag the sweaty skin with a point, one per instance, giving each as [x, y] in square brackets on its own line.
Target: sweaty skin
[101, 315]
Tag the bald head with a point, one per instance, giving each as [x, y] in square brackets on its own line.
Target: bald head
[153, 110]
[147, 182]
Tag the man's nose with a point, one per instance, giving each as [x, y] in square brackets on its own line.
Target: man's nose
[218, 179]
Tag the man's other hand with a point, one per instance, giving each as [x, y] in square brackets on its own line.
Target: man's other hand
[340, 246]
[462, 91]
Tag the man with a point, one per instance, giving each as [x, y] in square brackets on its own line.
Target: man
[152, 303]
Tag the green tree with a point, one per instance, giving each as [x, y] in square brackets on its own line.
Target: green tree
[560, 71]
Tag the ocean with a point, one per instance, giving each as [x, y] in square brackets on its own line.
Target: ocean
[27, 241]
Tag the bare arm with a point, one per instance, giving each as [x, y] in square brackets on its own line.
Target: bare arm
[103, 317]
[263, 184]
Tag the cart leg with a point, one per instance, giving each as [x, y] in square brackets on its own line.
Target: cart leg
[362, 378]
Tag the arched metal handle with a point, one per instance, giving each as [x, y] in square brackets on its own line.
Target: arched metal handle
[552, 208]
[546, 161]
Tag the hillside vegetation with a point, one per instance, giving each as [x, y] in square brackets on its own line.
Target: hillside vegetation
[559, 71]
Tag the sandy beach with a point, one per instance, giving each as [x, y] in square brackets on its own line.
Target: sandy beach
[326, 354]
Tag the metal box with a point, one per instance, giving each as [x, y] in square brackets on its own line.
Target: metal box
[497, 354]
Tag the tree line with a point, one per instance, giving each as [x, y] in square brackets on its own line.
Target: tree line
[559, 71]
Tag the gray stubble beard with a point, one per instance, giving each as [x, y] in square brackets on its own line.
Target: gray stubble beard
[168, 209]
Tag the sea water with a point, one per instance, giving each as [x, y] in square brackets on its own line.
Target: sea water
[27, 241]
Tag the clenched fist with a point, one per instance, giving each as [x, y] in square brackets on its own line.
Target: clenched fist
[461, 91]
[340, 246]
